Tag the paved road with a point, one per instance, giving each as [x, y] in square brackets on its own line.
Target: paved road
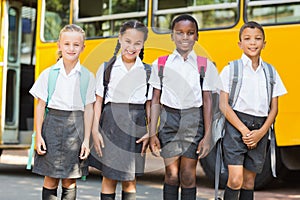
[18, 183]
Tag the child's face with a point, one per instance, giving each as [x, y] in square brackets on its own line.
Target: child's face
[132, 41]
[184, 35]
[252, 42]
[71, 44]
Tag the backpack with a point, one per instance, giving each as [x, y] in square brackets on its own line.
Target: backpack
[84, 82]
[218, 122]
[52, 78]
[94, 162]
[106, 78]
[201, 63]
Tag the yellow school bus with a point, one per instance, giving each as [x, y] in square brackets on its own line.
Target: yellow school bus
[30, 28]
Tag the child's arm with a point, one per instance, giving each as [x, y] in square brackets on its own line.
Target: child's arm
[96, 135]
[230, 114]
[145, 138]
[88, 120]
[252, 138]
[204, 145]
[155, 112]
[40, 112]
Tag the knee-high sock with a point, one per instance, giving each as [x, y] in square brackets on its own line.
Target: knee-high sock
[128, 195]
[188, 193]
[68, 193]
[170, 192]
[108, 196]
[49, 194]
[230, 194]
[246, 194]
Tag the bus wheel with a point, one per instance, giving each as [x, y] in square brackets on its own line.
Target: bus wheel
[262, 179]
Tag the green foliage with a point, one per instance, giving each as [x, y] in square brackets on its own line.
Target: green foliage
[56, 17]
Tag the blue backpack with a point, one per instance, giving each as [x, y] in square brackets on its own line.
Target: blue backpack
[52, 78]
[84, 82]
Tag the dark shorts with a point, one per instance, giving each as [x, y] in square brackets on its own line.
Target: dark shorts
[122, 125]
[63, 134]
[236, 152]
[180, 132]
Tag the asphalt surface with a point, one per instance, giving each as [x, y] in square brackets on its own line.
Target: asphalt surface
[18, 183]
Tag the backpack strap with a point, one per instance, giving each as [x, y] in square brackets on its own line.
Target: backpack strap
[84, 83]
[235, 83]
[270, 79]
[107, 73]
[52, 78]
[161, 62]
[106, 77]
[147, 68]
[202, 65]
[235, 76]
[270, 75]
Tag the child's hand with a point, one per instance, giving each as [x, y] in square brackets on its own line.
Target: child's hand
[145, 140]
[203, 147]
[155, 146]
[98, 142]
[85, 151]
[252, 138]
[41, 148]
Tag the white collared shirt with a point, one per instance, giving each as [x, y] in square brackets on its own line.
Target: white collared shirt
[125, 86]
[253, 97]
[181, 82]
[66, 95]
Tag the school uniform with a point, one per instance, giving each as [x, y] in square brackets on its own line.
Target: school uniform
[63, 126]
[252, 106]
[123, 120]
[181, 120]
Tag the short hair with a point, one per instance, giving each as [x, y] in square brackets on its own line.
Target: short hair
[184, 17]
[251, 24]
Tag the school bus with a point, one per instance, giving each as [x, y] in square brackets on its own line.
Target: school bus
[30, 28]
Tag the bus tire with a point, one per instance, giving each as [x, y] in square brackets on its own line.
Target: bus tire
[261, 181]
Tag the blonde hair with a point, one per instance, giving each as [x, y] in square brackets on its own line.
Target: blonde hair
[70, 28]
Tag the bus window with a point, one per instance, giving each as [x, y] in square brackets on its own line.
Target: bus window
[56, 16]
[210, 14]
[28, 22]
[13, 35]
[105, 17]
[275, 12]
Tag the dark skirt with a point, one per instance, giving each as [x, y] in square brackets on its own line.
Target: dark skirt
[180, 132]
[121, 126]
[63, 133]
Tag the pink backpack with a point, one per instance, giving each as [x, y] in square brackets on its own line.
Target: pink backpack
[201, 62]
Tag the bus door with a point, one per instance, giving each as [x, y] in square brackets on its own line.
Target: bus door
[11, 73]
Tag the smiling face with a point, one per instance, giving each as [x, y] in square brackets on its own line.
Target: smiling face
[132, 41]
[184, 35]
[71, 44]
[252, 42]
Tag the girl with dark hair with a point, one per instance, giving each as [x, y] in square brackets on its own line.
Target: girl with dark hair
[119, 130]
